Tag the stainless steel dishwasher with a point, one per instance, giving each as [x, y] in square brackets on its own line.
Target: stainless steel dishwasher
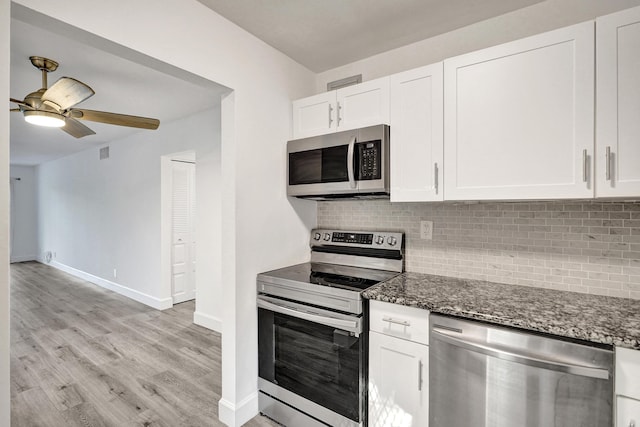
[486, 376]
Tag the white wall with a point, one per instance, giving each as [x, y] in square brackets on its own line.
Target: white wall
[256, 123]
[23, 213]
[100, 215]
[5, 419]
[535, 19]
[208, 231]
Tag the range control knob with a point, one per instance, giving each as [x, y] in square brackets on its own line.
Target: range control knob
[392, 241]
[380, 240]
[327, 237]
[317, 236]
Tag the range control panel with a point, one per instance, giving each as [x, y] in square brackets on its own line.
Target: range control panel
[342, 237]
[362, 239]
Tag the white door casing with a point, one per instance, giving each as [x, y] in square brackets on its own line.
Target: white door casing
[183, 243]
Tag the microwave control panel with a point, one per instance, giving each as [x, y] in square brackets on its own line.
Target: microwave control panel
[369, 157]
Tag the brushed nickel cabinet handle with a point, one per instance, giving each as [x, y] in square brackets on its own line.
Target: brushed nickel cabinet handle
[608, 163]
[339, 118]
[330, 115]
[585, 159]
[396, 321]
[420, 375]
[435, 176]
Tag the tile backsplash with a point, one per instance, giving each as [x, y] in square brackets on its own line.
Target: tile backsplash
[591, 247]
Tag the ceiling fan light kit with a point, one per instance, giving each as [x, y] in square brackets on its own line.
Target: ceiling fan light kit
[44, 118]
[53, 107]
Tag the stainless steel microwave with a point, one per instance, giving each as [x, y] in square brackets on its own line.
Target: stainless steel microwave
[352, 164]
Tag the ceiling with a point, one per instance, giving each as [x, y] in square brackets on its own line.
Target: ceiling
[121, 86]
[324, 34]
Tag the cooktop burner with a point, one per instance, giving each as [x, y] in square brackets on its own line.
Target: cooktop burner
[337, 280]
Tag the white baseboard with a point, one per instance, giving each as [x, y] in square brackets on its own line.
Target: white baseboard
[207, 321]
[151, 301]
[236, 415]
[23, 258]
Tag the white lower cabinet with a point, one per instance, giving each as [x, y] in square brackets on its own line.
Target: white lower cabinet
[627, 388]
[627, 412]
[398, 370]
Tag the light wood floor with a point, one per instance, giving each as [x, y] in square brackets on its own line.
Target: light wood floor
[85, 356]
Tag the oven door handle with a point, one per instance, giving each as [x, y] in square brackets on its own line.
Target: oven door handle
[347, 325]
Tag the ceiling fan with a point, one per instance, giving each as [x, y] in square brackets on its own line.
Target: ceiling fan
[53, 107]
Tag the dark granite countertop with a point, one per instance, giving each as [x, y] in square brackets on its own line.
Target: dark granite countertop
[599, 319]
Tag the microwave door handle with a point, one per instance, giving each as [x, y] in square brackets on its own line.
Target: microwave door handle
[350, 174]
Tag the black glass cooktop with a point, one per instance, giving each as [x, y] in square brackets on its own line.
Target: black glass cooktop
[337, 280]
[332, 275]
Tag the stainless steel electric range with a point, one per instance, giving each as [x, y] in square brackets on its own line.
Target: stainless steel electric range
[312, 330]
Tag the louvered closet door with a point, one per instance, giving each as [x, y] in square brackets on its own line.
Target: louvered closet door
[183, 236]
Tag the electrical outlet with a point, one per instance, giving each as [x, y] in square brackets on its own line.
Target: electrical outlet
[426, 230]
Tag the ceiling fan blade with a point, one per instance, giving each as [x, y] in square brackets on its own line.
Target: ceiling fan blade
[17, 101]
[15, 110]
[115, 119]
[65, 93]
[76, 129]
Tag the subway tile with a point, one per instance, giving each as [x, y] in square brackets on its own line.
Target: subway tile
[556, 245]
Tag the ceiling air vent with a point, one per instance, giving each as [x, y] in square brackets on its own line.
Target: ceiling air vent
[104, 153]
[347, 81]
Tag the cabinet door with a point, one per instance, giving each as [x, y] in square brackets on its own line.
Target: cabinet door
[519, 119]
[398, 382]
[315, 115]
[627, 412]
[628, 372]
[416, 108]
[618, 104]
[364, 104]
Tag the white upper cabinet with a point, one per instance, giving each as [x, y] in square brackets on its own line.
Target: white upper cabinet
[416, 121]
[352, 107]
[618, 104]
[364, 104]
[519, 119]
[314, 115]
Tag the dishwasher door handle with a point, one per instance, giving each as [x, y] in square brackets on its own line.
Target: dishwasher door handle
[525, 359]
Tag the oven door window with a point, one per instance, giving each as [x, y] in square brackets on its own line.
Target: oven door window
[318, 166]
[317, 362]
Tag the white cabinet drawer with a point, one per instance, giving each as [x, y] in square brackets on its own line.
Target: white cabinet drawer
[400, 321]
[628, 373]
[627, 412]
